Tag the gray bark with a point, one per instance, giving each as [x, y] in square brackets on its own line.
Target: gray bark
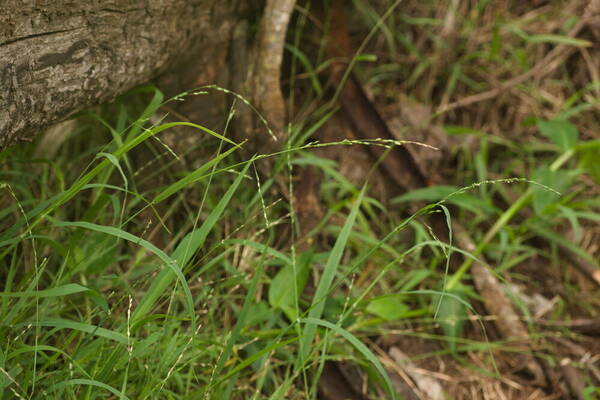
[58, 57]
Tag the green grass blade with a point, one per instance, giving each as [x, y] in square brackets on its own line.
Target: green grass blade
[64, 290]
[354, 341]
[561, 240]
[248, 361]
[304, 60]
[88, 382]
[81, 182]
[151, 108]
[191, 177]
[241, 317]
[324, 286]
[61, 323]
[174, 267]
[260, 247]
[185, 250]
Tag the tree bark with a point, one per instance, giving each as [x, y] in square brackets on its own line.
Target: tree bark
[58, 57]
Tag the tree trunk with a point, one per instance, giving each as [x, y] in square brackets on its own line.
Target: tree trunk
[58, 57]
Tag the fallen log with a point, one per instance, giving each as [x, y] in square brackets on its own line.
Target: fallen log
[58, 57]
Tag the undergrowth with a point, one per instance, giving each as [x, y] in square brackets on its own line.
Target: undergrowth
[125, 275]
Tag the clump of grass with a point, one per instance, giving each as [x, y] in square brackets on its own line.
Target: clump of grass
[118, 283]
[105, 294]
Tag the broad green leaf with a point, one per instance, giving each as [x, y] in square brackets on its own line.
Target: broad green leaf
[389, 308]
[589, 160]
[591, 393]
[98, 253]
[451, 315]
[281, 293]
[571, 216]
[260, 312]
[563, 133]
[555, 182]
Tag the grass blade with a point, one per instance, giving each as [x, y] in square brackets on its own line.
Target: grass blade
[64, 290]
[88, 382]
[184, 251]
[354, 341]
[61, 323]
[191, 178]
[174, 267]
[333, 262]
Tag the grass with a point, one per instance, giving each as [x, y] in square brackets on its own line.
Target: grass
[112, 339]
[130, 272]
